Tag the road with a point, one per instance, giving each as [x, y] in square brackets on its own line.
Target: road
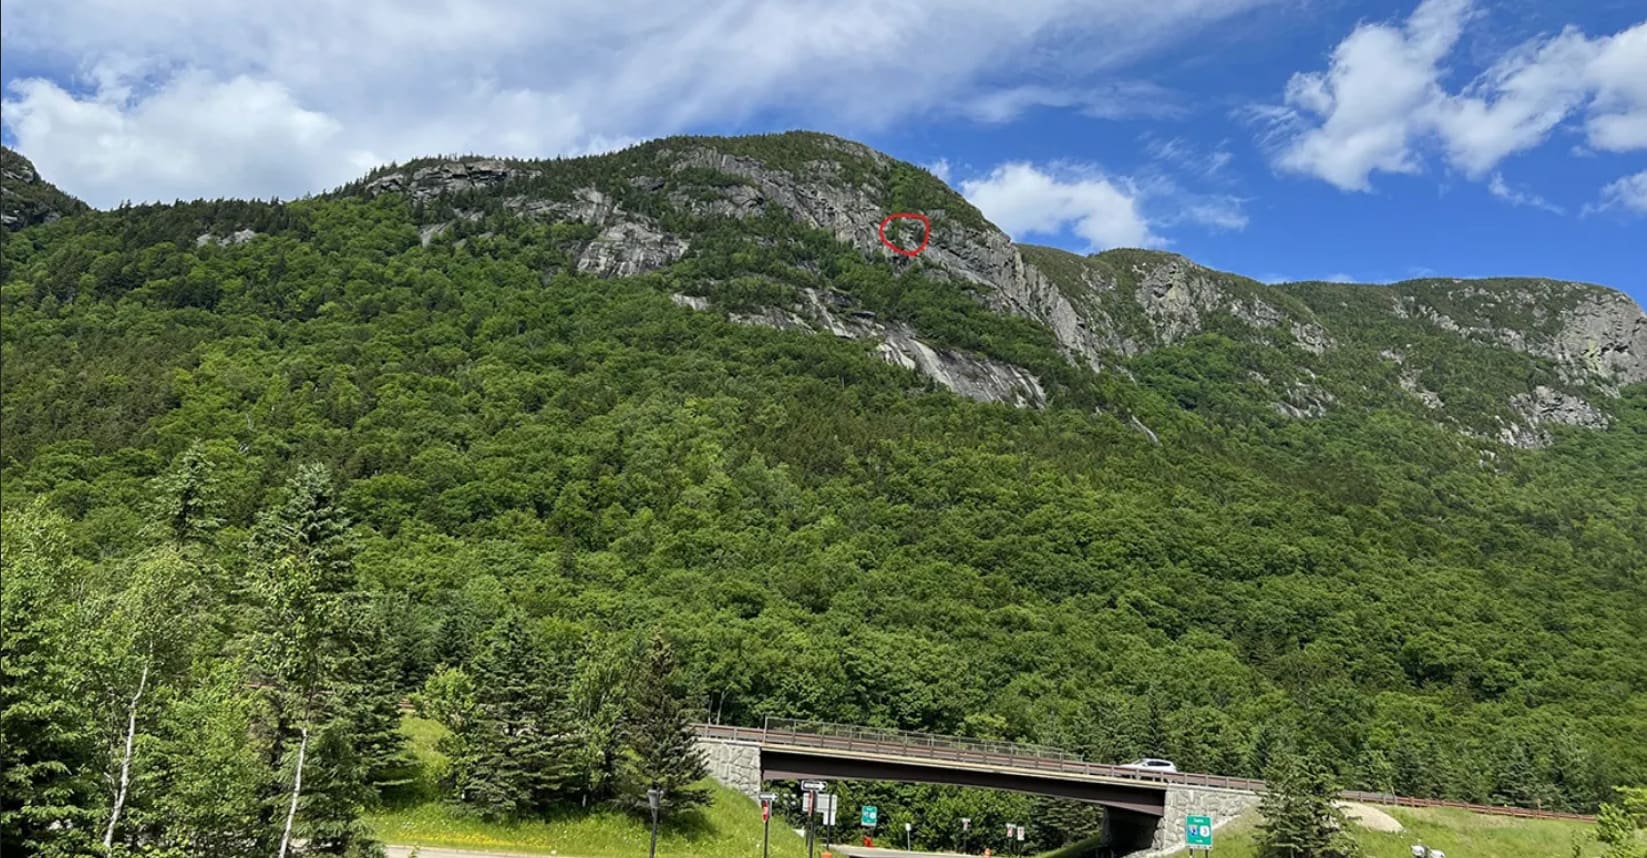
[877, 852]
[852, 851]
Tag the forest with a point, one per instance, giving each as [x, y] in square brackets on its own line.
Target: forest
[262, 499]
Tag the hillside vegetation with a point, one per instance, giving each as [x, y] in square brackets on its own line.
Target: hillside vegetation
[816, 533]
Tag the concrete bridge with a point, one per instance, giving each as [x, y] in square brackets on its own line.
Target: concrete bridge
[1144, 811]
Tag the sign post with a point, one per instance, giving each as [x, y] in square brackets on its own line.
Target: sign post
[767, 798]
[966, 825]
[870, 815]
[1198, 833]
[826, 807]
[908, 827]
[811, 788]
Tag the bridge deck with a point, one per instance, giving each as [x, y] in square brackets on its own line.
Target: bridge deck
[816, 743]
[961, 753]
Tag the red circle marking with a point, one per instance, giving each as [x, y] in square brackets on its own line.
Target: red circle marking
[926, 232]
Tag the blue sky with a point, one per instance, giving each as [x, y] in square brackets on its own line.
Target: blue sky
[1283, 139]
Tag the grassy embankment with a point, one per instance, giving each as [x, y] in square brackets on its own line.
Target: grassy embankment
[729, 828]
[1458, 833]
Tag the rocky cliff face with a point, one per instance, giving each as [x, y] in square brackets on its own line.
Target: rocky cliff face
[973, 376]
[26, 199]
[646, 207]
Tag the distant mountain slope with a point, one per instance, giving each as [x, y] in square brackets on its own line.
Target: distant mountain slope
[26, 199]
[1502, 359]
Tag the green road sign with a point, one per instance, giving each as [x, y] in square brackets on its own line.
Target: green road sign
[1198, 831]
[871, 813]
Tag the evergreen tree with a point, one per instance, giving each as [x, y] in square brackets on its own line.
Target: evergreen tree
[306, 650]
[1301, 815]
[659, 745]
[187, 508]
[516, 750]
[336, 792]
[371, 677]
[49, 754]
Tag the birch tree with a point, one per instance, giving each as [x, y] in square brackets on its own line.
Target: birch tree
[304, 603]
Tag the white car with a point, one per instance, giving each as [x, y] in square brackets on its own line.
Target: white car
[1151, 764]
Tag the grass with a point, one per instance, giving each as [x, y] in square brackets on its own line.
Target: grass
[1458, 833]
[730, 827]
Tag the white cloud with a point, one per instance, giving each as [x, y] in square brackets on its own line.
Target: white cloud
[1502, 190]
[1111, 100]
[306, 92]
[1024, 199]
[1185, 156]
[1628, 192]
[940, 168]
[1381, 101]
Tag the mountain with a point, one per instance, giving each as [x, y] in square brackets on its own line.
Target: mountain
[1502, 358]
[466, 415]
[26, 199]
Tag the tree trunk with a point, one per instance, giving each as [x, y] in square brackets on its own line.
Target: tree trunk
[297, 790]
[126, 761]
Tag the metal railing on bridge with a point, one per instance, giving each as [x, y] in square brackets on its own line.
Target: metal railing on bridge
[783, 732]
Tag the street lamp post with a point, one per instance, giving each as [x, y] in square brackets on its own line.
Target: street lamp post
[654, 798]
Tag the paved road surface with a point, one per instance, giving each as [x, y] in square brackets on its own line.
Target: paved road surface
[862, 852]
[850, 851]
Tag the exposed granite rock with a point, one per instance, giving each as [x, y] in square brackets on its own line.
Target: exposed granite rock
[1020, 288]
[1545, 406]
[1602, 338]
[1411, 384]
[736, 201]
[1606, 334]
[630, 247]
[447, 177]
[240, 236]
[1257, 313]
[429, 233]
[851, 213]
[1299, 399]
[973, 376]
[772, 317]
[588, 205]
[691, 302]
[1175, 295]
[1147, 432]
[28, 200]
[1310, 337]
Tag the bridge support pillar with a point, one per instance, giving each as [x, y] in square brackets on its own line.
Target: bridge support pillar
[1183, 802]
[736, 764]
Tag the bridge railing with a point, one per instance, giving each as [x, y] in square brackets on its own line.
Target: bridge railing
[926, 744]
[847, 737]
